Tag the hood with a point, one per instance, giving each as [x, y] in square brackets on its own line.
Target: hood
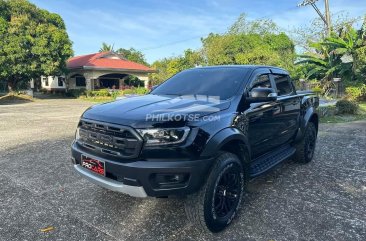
[155, 110]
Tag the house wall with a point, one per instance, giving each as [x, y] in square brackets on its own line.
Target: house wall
[91, 77]
[52, 83]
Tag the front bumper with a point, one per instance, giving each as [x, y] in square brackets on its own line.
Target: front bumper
[141, 178]
[110, 184]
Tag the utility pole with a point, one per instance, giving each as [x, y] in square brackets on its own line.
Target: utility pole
[326, 18]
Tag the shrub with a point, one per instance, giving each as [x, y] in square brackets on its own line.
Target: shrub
[75, 93]
[356, 92]
[128, 92]
[328, 110]
[116, 93]
[137, 91]
[100, 93]
[317, 90]
[88, 93]
[346, 107]
[141, 91]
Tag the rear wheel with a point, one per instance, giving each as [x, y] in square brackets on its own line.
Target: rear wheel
[216, 204]
[306, 147]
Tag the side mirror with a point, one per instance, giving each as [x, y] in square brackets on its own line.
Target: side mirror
[261, 95]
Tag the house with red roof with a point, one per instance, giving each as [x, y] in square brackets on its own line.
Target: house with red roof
[97, 71]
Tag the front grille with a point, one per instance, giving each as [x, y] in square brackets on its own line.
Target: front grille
[110, 139]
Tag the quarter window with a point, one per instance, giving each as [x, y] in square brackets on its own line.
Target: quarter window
[283, 84]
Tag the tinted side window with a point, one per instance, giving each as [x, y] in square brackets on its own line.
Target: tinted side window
[262, 81]
[283, 84]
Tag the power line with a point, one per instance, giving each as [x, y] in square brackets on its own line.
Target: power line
[326, 18]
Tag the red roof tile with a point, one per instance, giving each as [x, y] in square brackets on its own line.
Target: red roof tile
[100, 60]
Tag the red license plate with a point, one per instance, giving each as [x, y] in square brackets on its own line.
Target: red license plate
[93, 165]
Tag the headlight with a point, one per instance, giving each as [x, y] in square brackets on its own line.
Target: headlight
[164, 136]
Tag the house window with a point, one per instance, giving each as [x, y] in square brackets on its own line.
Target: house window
[60, 81]
[45, 80]
[80, 81]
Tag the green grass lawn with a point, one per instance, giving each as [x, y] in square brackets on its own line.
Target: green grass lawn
[361, 115]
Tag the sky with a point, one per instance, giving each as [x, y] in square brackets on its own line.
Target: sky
[165, 28]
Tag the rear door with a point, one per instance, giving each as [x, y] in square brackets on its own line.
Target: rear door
[289, 102]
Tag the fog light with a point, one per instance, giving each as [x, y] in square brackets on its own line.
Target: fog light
[163, 179]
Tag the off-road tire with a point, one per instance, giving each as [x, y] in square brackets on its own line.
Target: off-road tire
[200, 207]
[306, 147]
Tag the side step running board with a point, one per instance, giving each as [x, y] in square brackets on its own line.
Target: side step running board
[269, 160]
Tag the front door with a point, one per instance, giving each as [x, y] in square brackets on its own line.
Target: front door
[262, 127]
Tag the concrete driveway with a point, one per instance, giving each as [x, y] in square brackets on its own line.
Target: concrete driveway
[324, 200]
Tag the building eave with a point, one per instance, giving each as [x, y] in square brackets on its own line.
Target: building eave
[111, 69]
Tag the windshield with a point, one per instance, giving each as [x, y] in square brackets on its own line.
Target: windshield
[221, 83]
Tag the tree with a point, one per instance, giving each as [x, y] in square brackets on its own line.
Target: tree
[312, 32]
[360, 54]
[245, 42]
[33, 42]
[323, 64]
[106, 47]
[250, 42]
[335, 56]
[133, 55]
[259, 26]
[168, 67]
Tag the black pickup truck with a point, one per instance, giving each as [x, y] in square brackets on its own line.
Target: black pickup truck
[201, 135]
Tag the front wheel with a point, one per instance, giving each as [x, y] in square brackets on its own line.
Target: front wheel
[216, 204]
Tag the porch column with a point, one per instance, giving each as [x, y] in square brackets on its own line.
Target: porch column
[89, 84]
[146, 83]
[122, 82]
[144, 78]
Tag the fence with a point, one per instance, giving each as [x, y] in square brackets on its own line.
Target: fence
[330, 89]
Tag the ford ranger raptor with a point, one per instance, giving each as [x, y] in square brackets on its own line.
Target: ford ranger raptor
[201, 135]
